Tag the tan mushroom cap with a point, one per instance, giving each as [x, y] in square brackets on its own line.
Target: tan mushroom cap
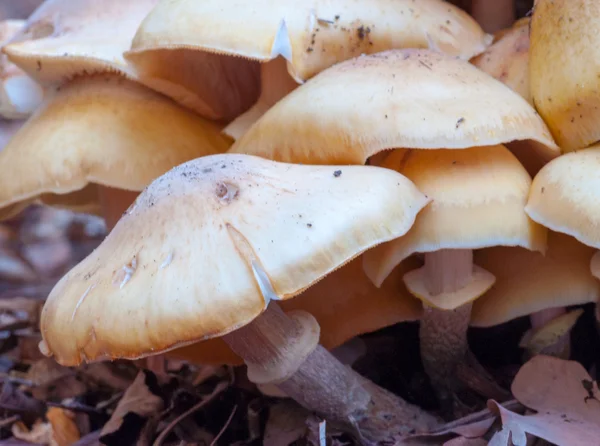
[19, 94]
[395, 99]
[63, 38]
[101, 129]
[565, 69]
[311, 35]
[344, 295]
[507, 59]
[528, 282]
[478, 200]
[206, 246]
[564, 196]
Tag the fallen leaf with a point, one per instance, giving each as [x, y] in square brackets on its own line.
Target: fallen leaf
[565, 398]
[133, 411]
[286, 424]
[14, 269]
[40, 432]
[64, 429]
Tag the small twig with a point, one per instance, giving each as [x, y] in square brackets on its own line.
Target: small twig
[9, 420]
[222, 431]
[113, 399]
[218, 389]
[75, 407]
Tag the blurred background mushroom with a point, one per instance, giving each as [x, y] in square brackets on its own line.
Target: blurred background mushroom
[99, 137]
[206, 54]
[188, 262]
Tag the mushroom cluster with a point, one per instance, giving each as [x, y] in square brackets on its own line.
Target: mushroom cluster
[280, 177]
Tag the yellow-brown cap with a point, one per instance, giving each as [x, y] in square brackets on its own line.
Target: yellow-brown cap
[507, 59]
[564, 195]
[528, 282]
[100, 129]
[395, 99]
[19, 94]
[478, 200]
[63, 38]
[344, 295]
[206, 246]
[564, 69]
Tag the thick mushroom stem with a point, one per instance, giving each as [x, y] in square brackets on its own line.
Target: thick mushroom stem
[275, 83]
[493, 15]
[274, 346]
[443, 333]
[114, 202]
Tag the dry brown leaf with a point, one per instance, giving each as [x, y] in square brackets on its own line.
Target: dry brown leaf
[139, 400]
[14, 269]
[64, 429]
[566, 399]
[462, 441]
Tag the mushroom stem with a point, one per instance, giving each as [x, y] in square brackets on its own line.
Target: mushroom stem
[443, 333]
[275, 83]
[493, 15]
[114, 202]
[318, 381]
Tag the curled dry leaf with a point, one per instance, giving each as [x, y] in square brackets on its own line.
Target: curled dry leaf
[40, 432]
[64, 429]
[137, 406]
[566, 399]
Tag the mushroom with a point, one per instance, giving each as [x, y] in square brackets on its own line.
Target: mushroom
[204, 250]
[99, 137]
[292, 40]
[19, 94]
[493, 15]
[564, 74]
[564, 198]
[100, 130]
[478, 200]
[354, 306]
[529, 283]
[413, 99]
[507, 59]
[400, 99]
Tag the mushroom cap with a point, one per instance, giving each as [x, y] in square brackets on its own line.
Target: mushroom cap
[478, 200]
[528, 282]
[354, 306]
[564, 69]
[507, 59]
[205, 247]
[100, 129]
[19, 94]
[564, 196]
[63, 38]
[311, 35]
[395, 99]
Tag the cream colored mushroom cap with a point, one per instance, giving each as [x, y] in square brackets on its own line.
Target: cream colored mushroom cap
[101, 129]
[507, 59]
[195, 255]
[346, 295]
[19, 94]
[63, 38]
[528, 282]
[478, 200]
[395, 99]
[311, 35]
[565, 69]
[564, 196]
